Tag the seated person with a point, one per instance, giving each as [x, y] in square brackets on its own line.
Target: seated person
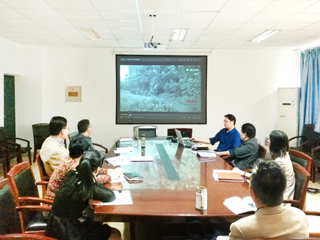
[247, 153]
[53, 149]
[85, 129]
[76, 148]
[279, 149]
[71, 216]
[272, 219]
[227, 137]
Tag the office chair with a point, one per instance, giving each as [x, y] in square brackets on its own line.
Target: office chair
[315, 154]
[301, 158]
[14, 148]
[73, 134]
[300, 189]
[25, 191]
[40, 133]
[5, 160]
[24, 236]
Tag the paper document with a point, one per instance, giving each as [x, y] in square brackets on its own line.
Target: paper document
[227, 175]
[238, 205]
[126, 139]
[141, 158]
[122, 198]
[206, 154]
[119, 179]
[118, 161]
[124, 150]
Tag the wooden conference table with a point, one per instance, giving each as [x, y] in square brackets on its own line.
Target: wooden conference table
[158, 199]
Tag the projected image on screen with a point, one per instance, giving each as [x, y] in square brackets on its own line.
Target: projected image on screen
[155, 88]
[161, 89]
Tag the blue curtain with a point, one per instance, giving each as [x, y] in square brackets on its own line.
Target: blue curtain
[309, 105]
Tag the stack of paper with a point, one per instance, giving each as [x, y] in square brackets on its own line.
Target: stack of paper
[206, 154]
[125, 139]
[141, 158]
[124, 150]
[238, 205]
[122, 198]
[227, 175]
[118, 161]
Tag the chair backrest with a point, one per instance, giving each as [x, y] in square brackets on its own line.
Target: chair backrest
[262, 151]
[3, 134]
[24, 236]
[40, 133]
[185, 132]
[71, 135]
[301, 158]
[22, 182]
[9, 218]
[308, 130]
[43, 174]
[302, 178]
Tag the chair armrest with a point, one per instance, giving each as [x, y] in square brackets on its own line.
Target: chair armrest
[99, 145]
[315, 150]
[309, 145]
[296, 137]
[34, 200]
[21, 139]
[11, 143]
[227, 158]
[34, 208]
[295, 202]
[312, 213]
[42, 183]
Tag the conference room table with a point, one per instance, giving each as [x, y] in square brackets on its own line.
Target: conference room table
[159, 199]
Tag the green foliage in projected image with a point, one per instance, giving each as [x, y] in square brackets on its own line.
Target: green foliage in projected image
[161, 88]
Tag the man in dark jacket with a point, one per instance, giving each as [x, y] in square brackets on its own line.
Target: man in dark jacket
[247, 153]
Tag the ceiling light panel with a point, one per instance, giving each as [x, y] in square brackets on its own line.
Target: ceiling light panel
[266, 34]
[90, 34]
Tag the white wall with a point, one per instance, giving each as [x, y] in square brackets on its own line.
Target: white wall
[242, 82]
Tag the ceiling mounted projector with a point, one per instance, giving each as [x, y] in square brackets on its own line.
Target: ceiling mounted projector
[153, 45]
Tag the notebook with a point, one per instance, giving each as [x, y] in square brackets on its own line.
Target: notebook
[182, 142]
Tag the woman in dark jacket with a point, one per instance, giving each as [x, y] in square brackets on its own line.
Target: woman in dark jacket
[71, 216]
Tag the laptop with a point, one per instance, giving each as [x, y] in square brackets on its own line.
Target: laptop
[182, 142]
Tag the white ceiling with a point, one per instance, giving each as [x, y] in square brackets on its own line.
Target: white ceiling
[212, 24]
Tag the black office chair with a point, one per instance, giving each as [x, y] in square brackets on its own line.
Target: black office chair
[25, 192]
[105, 150]
[302, 178]
[15, 149]
[9, 218]
[40, 133]
[308, 140]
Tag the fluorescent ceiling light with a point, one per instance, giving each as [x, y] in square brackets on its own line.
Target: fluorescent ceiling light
[90, 33]
[264, 35]
[178, 34]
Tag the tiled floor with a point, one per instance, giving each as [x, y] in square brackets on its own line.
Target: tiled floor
[312, 201]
